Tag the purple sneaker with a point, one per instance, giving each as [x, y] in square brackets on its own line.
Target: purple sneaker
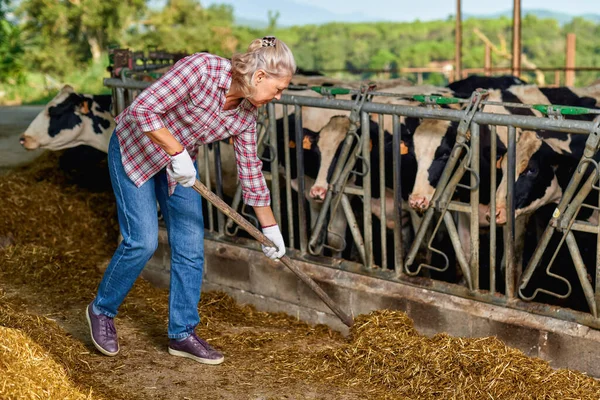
[103, 332]
[195, 348]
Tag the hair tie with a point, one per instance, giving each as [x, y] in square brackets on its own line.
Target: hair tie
[268, 41]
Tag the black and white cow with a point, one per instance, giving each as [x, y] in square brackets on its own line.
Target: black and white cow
[465, 87]
[71, 119]
[538, 172]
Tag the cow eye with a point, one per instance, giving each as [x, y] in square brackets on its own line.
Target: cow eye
[531, 171]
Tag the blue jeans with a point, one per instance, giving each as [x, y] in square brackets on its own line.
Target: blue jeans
[138, 221]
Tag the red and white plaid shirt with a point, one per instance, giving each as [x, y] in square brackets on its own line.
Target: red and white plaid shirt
[189, 100]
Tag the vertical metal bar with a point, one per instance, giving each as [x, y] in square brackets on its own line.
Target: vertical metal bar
[570, 60]
[516, 45]
[353, 225]
[598, 261]
[487, 68]
[301, 189]
[509, 229]
[275, 191]
[367, 218]
[397, 163]
[206, 178]
[458, 42]
[493, 156]
[588, 291]
[382, 193]
[120, 100]
[460, 256]
[288, 174]
[219, 179]
[475, 173]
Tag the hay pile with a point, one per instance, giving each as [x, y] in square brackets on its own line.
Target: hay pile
[386, 353]
[59, 234]
[27, 371]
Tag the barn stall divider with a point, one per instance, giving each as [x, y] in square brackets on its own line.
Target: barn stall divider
[466, 304]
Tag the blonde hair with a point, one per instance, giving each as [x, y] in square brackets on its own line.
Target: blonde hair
[269, 54]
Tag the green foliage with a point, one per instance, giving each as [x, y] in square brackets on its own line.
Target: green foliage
[61, 39]
[185, 26]
[64, 35]
[11, 53]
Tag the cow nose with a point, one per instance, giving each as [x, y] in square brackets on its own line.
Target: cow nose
[318, 193]
[501, 216]
[419, 203]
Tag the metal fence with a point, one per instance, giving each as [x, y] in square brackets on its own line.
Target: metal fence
[307, 239]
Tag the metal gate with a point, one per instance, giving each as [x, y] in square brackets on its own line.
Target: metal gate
[443, 211]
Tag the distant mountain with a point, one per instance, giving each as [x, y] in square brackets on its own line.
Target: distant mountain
[254, 14]
[291, 12]
[294, 12]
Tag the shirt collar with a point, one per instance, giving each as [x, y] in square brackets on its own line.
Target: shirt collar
[225, 78]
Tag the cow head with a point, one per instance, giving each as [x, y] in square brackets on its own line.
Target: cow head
[330, 138]
[433, 141]
[68, 120]
[536, 181]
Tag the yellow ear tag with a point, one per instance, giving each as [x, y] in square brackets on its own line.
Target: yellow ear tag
[292, 144]
[85, 107]
[306, 143]
[403, 148]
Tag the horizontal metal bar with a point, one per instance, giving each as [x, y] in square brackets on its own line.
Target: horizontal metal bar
[527, 122]
[482, 118]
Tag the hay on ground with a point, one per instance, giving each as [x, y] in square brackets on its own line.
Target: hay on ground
[27, 371]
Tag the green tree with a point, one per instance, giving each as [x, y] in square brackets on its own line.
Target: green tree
[11, 49]
[185, 26]
[65, 34]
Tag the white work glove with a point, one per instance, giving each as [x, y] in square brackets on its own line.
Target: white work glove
[183, 169]
[274, 234]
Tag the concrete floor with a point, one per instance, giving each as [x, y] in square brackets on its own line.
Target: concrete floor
[13, 122]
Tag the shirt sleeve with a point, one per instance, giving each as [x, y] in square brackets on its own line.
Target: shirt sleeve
[172, 88]
[254, 188]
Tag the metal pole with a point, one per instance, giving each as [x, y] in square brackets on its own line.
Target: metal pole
[397, 157]
[301, 186]
[458, 43]
[516, 45]
[288, 174]
[570, 60]
[474, 228]
[509, 228]
[367, 216]
[493, 154]
[487, 63]
[275, 195]
[382, 193]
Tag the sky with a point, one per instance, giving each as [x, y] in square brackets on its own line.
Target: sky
[409, 10]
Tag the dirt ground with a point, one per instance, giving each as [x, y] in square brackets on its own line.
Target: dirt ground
[144, 369]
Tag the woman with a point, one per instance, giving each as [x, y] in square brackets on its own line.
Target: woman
[202, 99]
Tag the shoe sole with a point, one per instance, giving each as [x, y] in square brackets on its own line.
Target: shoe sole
[100, 349]
[178, 353]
